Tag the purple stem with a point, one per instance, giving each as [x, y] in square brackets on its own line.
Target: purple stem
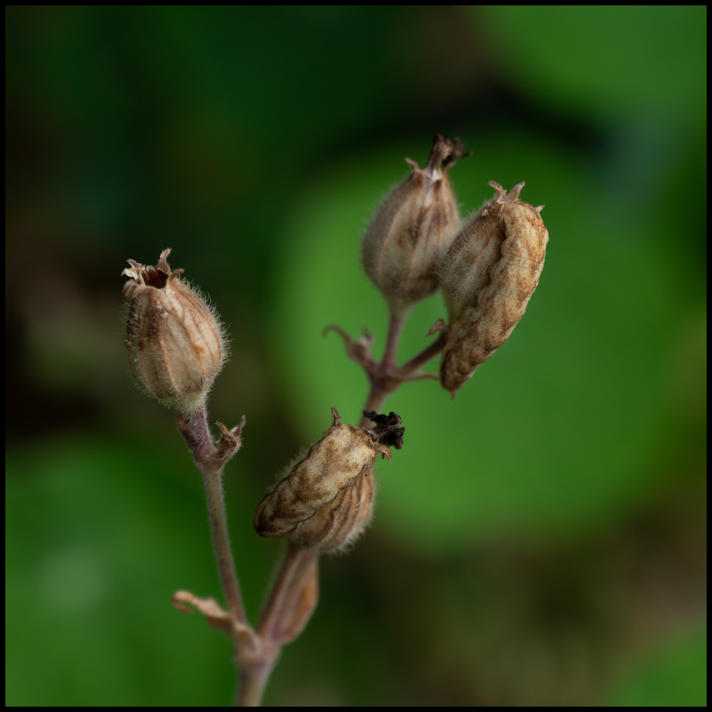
[194, 428]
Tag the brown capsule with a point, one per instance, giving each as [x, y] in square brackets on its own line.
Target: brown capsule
[326, 500]
[413, 228]
[488, 277]
[174, 340]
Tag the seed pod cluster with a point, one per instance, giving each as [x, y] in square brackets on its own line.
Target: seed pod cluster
[487, 279]
[413, 229]
[326, 500]
[174, 340]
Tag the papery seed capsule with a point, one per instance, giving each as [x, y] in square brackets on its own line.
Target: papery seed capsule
[174, 340]
[488, 276]
[326, 500]
[413, 229]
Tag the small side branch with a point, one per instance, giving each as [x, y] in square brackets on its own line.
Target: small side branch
[384, 376]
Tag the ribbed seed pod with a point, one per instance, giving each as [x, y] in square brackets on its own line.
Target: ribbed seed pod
[341, 521]
[326, 500]
[488, 277]
[413, 228]
[174, 340]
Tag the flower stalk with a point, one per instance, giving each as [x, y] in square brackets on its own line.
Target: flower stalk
[211, 460]
[414, 245]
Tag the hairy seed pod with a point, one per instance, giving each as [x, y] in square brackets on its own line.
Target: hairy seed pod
[174, 340]
[326, 500]
[413, 229]
[488, 277]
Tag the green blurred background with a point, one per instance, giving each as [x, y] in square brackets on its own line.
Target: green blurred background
[539, 540]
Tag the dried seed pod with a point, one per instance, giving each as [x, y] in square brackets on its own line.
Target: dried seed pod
[488, 276]
[174, 340]
[413, 229]
[326, 500]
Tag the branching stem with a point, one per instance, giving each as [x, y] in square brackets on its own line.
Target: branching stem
[293, 593]
[424, 356]
[297, 565]
[385, 377]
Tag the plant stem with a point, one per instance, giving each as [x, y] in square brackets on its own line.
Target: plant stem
[253, 680]
[379, 390]
[395, 327]
[382, 381]
[221, 542]
[284, 614]
[194, 428]
[374, 401]
[424, 356]
[291, 577]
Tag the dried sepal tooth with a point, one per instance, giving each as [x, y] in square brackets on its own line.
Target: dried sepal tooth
[327, 498]
[413, 228]
[488, 277]
[174, 339]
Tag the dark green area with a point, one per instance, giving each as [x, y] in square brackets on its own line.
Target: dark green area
[540, 540]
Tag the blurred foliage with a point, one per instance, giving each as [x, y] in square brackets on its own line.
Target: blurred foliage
[541, 538]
